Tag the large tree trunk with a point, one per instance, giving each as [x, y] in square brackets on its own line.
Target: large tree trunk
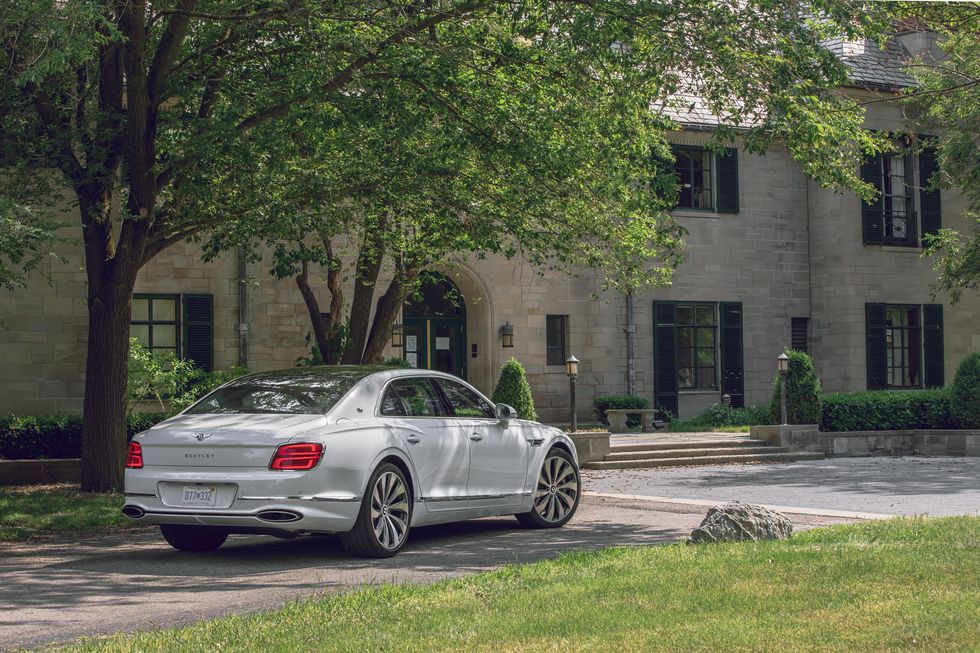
[316, 319]
[389, 308]
[365, 280]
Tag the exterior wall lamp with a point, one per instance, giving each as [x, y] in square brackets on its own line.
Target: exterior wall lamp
[782, 366]
[506, 332]
[397, 336]
[571, 369]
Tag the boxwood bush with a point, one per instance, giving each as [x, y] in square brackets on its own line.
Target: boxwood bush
[28, 437]
[886, 410]
[965, 393]
[601, 404]
[802, 392]
[514, 390]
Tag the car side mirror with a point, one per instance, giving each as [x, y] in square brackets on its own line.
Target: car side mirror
[505, 413]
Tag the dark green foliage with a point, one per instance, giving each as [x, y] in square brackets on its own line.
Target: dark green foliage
[721, 415]
[514, 390]
[964, 396]
[202, 385]
[886, 410]
[802, 392]
[602, 404]
[396, 361]
[29, 437]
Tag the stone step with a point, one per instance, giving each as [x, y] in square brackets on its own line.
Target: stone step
[696, 444]
[704, 460]
[661, 454]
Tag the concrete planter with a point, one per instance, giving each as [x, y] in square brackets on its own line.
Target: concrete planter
[921, 442]
[590, 445]
[29, 472]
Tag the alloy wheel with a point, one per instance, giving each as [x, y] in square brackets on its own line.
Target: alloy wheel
[557, 489]
[389, 510]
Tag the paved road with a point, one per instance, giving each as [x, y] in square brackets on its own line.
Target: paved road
[900, 486]
[57, 591]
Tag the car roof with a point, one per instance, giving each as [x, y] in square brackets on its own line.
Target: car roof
[380, 372]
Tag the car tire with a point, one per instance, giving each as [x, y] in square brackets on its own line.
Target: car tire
[193, 538]
[385, 518]
[556, 494]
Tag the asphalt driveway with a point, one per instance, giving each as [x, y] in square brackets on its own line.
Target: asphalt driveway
[56, 591]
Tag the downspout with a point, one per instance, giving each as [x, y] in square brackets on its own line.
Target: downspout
[630, 344]
[242, 309]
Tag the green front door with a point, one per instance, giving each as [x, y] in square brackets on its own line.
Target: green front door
[436, 343]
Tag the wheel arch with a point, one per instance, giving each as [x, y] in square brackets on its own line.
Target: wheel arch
[399, 460]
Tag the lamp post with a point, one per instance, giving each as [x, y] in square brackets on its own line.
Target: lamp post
[571, 369]
[782, 366]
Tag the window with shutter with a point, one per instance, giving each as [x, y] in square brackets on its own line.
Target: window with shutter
[726, 165]
[155, 322]
[199, 330]
[665, 356]
[799, 334]
[872, 214]
[930, 204]
[933, 345]
[875, 346]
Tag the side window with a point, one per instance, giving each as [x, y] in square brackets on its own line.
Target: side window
[411, 398]
[465, 402]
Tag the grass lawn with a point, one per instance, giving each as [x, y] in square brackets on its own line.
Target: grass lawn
[901, 585]
[40, 510]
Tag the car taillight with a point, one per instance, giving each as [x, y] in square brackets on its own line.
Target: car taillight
[303, 455]
[134, 459]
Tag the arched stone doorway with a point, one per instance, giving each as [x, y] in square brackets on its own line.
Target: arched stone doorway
[435, 326]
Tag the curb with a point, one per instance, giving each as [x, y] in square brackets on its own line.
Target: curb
[793, 510]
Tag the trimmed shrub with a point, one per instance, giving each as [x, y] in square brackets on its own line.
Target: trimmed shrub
[886, 410]
[514, 390]
[964, 394]
[28, 437]
[601, 404]
[802, 392]
[721, 415]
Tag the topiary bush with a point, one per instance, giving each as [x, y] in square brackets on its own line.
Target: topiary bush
[514, 390]
[964, 393]
[802, 392]
[886, 410]
[601, 404]
[29, 437]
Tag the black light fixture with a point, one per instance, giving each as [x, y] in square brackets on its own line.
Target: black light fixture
[571, 369]
[507, 334]
[782, 366]
[397, 336]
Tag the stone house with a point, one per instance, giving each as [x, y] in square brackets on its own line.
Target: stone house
[773, 261]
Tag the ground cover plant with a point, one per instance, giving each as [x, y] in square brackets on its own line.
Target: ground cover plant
[904, 584]
[42, 510]
[723, 418]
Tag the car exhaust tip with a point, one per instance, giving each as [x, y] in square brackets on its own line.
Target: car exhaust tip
[133, 512]
[279, 516]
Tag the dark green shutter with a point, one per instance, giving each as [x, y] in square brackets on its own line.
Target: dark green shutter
[929, 201]
[732, 368]
[665, 356]
[199, 330]
[933, 345]
[726, 177]
[874, 325]
[872, 215]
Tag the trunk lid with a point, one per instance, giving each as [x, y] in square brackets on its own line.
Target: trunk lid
[225, 440]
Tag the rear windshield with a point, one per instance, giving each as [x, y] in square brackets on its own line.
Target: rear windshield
[297, 394]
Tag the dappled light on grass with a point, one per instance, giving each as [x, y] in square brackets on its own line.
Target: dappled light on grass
[39, 510]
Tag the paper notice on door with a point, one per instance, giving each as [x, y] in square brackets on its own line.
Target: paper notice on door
[442, 343]
[413, 358]
[411, 343]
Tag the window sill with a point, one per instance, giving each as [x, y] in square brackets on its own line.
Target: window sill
[911, 249]
[694, 213]
[699, 392]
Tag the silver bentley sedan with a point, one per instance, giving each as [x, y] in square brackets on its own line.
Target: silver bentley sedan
[365, 452]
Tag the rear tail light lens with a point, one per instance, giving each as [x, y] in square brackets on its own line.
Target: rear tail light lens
[134, 459]
[299, 456]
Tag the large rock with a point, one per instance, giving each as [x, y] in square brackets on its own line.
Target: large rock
[737, 521]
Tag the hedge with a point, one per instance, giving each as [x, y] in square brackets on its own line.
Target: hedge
[601, 404]
[28, 437]
[886, 410]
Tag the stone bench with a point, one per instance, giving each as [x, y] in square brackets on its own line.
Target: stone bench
[648, 417]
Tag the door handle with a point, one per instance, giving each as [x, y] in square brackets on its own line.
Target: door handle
[476, 437]
[414, 439]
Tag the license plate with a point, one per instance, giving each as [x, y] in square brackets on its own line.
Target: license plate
[199, 496]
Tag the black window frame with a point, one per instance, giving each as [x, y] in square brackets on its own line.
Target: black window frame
[898, 205]
[489, 410]
[904, 332]
[704, 154]
[696, 328]
[150, 322]
[800, 334]
[556, 354]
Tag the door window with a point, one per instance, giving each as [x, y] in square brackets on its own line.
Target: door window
[411, 398]
[465, 402]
